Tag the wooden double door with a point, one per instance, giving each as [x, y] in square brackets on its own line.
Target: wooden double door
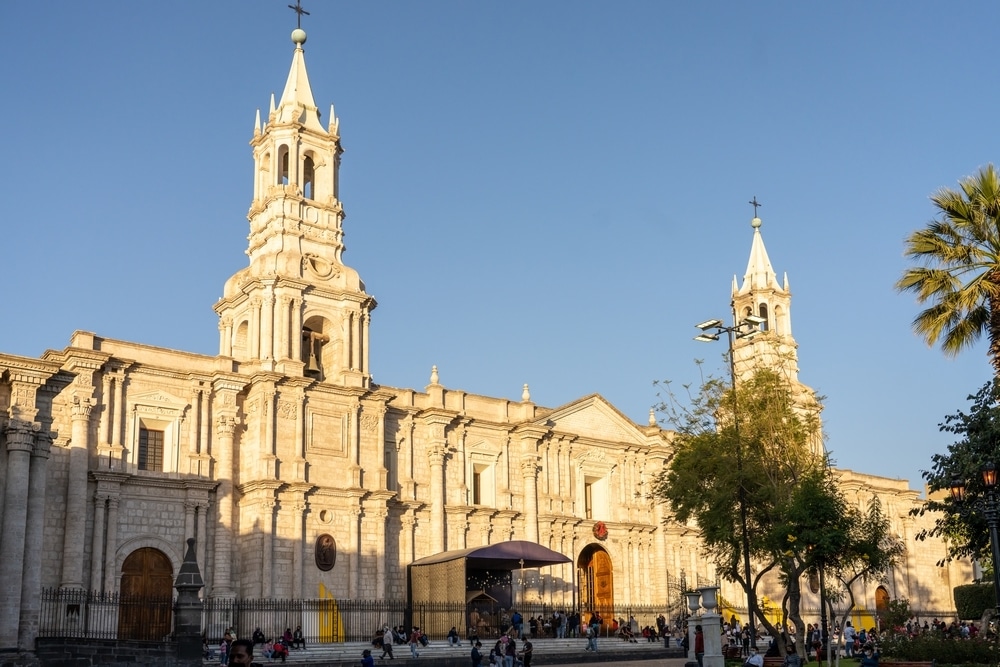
[597, 582]
[146, 596]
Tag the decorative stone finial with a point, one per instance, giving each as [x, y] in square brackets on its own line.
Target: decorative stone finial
[299, 37]
[756, 223]
[434, 374]
[525, 394]
[652, 417]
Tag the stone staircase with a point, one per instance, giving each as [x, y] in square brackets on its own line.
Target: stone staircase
[439, 653]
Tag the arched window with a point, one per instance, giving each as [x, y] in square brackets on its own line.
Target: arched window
[240, 337]
[283, 166]
[763, 315]
[308, 178]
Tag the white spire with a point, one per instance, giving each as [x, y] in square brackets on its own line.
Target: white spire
[256, 124]
[297, 104]
[759, 273]
[271, 110]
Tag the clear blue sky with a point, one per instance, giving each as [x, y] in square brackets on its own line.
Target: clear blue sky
[542, 192]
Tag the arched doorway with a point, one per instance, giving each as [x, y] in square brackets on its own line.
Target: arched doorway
[595, 573]
[147, 588]
[881, 605]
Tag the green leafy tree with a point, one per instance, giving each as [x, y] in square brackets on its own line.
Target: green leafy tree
[959, 276]
[761, 446]
[814, 532]
[978, 442]
[871, 552]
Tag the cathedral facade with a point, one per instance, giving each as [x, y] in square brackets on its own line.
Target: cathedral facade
[298, 476]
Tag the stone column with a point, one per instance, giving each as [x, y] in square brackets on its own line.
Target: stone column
[660, 565]
[222, 569]
[32, 572]
[97, 544]
[298, 552]
[253, 336]
[194, 431]
[202, 536]
[118, 421]
[407, 552]
[282, 319]
[225, 346]
[365, 321]
[110, 566]
[267, 507]
[15, 515]
[354, 555]
[529, 472]
[76, 495]
[296, 329]
[355, 342]
[436, 456]
[189, 509]
[267, 326]
[380, 571]
[107, 416]
[348, 325]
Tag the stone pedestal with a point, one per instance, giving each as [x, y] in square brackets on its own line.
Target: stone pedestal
[711, 627]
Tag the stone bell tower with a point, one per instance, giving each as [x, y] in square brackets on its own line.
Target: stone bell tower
[297, 309]
[761, 295]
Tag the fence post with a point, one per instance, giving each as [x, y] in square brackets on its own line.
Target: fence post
[188, 610]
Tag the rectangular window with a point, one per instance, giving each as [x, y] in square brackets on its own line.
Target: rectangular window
[588, 500]
[477, 487]
[150, 450]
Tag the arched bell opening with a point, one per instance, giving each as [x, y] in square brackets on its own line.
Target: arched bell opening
[318, 353]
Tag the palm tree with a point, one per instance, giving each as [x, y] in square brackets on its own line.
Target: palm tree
[959, 253]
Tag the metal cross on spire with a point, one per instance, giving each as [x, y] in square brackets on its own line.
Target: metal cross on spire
[756, 204]
[297, 8]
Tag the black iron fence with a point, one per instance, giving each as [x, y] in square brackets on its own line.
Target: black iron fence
[86, 615]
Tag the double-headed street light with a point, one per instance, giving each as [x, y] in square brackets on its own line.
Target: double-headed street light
[990, 509]
[711, 330]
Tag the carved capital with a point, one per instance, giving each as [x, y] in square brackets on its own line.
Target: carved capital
[81, 407]
[225, 426]
[436, 455]
[20, 435]
[529, 466]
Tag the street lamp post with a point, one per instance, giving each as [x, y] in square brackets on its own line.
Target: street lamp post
[991, 512]
[711, 330]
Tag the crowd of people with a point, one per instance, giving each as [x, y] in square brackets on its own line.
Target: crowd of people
[513, 648]
[274, 649]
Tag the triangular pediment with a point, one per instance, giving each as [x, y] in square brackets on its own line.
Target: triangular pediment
[159, 398]
[594, 418]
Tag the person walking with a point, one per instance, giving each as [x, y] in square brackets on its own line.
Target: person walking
[476, 655]
[386, 643]
[414, 640]
[592, 638]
